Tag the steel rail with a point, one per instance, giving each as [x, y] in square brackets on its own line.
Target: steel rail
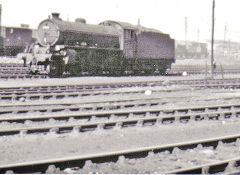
[41, 165]
[62, 88]
[113, 121]
[73, 88]
[11, 65]
[22, 76]
[96, 105]
[119, 85]
[109, 103]
[189, 110]
[185, 109]
[103, 105]
[56, 107]
[159, 95]
[57, 91]
[210, 168]
[60, 95]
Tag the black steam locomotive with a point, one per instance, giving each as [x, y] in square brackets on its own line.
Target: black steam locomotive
[110, 48]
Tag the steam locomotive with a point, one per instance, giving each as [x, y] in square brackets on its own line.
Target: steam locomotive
[110, 48]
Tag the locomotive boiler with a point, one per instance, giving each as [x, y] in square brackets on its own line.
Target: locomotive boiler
[110, 48]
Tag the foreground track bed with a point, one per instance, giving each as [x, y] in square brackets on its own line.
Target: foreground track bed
[125, 143]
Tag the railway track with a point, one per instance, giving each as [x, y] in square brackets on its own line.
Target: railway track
[80, 94]
[17, 71]
[109, 103]
[121, 85]
[92, 120]
[64, 95]
[60, 92]
[22, 76]
[149, 158]
[94, 105]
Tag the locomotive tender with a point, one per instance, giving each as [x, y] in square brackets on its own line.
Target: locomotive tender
[110, 48]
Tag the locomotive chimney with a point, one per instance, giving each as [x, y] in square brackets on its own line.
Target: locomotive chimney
[26, 26]
[80, 20]
[55, 16]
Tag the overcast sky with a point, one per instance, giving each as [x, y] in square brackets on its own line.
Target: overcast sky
[164, 15]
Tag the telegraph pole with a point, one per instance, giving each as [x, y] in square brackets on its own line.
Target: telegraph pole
[225, 32]
[212, 45]
[198, 32]
[225, 37]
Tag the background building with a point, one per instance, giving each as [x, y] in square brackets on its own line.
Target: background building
[15, 39]
[191, 49]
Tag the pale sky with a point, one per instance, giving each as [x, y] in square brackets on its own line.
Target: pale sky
[164, 15]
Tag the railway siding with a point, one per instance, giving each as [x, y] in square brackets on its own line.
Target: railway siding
[59, 95]
[83, 105]
[123, 118]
